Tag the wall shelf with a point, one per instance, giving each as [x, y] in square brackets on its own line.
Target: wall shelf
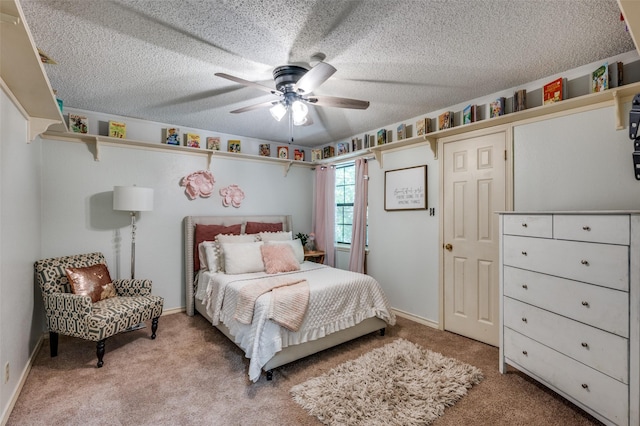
[616, 97]
[23, 73]
[94, 142]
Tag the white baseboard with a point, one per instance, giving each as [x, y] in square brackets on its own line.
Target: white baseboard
[420, 320]
[173, 311]
[23, 379]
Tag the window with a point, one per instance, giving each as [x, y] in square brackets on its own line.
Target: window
[345, 195]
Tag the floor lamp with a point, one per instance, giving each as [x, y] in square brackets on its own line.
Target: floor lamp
[132, 199]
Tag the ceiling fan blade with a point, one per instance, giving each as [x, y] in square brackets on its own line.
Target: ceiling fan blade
[249, 83]
[314, 77]
[252, 107]
[332, 101]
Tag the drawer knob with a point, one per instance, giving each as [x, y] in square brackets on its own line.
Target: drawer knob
[524, 253]
[525, 286]
[524, 225]
[585, 262]
[584, 345]
[585, 386]
[585, 303]
[524, 319]
[524, 353]
[586, 228]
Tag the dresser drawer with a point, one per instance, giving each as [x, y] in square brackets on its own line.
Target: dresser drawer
[528, 225]
[602, 264]
[610, 229]
[598, 349]
[594, 305]
[593, 389]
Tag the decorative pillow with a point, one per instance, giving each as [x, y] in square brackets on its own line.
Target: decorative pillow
[279, 258]
[256, 227]
[275, 236]
[242, 258]
[93, 281]
[231, 239]
[208, 254]
[296, 245]
[208, 233]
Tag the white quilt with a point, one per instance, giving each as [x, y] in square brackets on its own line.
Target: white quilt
[339, 299]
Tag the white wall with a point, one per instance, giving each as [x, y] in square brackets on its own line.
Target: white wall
[575, 162]
[20, 311]
[79, 216]
[403, 245]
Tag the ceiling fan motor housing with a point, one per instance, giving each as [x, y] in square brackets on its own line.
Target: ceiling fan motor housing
[287, 76]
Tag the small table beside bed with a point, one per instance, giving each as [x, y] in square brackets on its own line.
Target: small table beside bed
[297, 309]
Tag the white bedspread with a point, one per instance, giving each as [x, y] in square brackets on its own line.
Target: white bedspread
[339, 299]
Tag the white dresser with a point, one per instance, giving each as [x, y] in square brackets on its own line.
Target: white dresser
[569, 304]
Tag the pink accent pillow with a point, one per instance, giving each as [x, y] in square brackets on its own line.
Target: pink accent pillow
[279, 258]
[255, 227]
[208, 233]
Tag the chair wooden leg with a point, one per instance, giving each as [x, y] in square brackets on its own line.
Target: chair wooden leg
[154, 327]
[100, 352]
[53, 343]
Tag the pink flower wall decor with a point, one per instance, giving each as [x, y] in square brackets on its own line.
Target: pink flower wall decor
[232, 195]
[198, 184]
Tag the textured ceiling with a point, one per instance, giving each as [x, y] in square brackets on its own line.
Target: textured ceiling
[156, 60]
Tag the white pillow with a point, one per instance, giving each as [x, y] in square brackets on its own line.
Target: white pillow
[296, 245]
[275, 236]
[208, 254]
[242, 258]
[230, 239]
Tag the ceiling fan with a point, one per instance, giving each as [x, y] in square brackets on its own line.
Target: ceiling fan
[294, 85]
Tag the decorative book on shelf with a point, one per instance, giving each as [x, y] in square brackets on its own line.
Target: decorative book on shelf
[356, 144]
[316, 154]
[171, 136]
[213, 143]
[496, 108]
[233, 145]
[283, 152]
[519, 100]
[615, 74]
[600, 78]
[423, 126]
[382, 137]
[445, 120]
[402, 131]
[343, 148]
[117, 129]
[78, 123]
[328, 151]
[366, 141]
[192, 140]
[554, 91]
[264, 149]
[298, 154]
[469, 114]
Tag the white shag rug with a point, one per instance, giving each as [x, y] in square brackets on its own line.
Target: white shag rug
[400, 383]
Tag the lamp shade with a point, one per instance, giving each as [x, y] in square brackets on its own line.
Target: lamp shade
[132, 198]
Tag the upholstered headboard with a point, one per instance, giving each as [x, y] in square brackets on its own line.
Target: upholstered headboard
[190, 223]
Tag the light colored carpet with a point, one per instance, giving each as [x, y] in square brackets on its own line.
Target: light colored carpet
[400, 383]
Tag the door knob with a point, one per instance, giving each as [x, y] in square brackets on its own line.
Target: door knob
[449, 247]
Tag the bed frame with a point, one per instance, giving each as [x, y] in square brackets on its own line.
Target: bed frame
[290, 353]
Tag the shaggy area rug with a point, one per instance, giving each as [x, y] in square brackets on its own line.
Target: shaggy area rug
[400, 383]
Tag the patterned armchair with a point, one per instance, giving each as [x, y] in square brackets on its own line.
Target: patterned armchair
[75, 315]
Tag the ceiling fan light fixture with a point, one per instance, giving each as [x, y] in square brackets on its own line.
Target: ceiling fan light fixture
[278, 111]
[299, 112]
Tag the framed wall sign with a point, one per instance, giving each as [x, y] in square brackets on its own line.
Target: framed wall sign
[405, 189]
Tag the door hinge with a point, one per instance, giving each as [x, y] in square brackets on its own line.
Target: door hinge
[505, 155]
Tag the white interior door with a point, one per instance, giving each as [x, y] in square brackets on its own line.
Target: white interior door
[474, 189]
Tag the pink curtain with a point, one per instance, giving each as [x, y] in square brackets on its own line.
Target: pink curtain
[324, 215]
[359, 229]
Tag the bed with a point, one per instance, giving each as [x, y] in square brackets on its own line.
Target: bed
[361, 307]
